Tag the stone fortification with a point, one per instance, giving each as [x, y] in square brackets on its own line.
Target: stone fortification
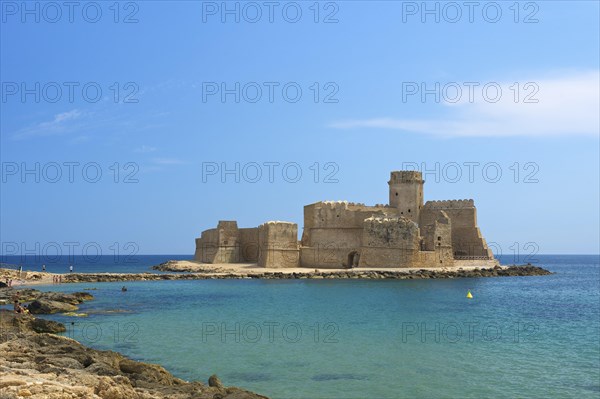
[339, 234]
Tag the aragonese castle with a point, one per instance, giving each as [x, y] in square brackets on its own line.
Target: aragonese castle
[340, 234]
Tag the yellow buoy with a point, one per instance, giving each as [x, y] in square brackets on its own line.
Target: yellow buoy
[469, 294]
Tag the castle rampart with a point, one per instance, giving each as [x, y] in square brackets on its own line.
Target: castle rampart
[450, 204]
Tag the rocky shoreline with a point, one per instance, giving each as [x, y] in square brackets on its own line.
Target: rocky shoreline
[208, 273]
[177, 272]
[522, 270]
[40, 365]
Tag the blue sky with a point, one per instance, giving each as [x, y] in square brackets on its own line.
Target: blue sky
[383, 86]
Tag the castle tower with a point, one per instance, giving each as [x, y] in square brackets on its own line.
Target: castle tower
[406, 193]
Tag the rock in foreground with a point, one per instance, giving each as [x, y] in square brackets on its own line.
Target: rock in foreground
[46, 366]
[46, 306]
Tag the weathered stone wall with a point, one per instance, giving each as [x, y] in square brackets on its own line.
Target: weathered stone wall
[437, 237]
[220, 245]
[278, 242]
[249, 248]
[340, 214]
[227, 244]
[326, 256]
[467, 240]
[333, 230]
[390, 242]
[207, 247]
[198, 250]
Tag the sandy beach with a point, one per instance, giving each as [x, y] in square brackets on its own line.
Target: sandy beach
[25, 277]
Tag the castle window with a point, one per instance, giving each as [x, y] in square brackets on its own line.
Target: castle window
[396, 193]
[402, 213]
[439, 238]
[409, 211]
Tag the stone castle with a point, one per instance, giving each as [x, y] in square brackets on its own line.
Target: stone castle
[341, 234]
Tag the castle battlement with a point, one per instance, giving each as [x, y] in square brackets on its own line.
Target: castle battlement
[339, 204]
[278, 222]
[406, 176]
[334, 204]
[450, 204]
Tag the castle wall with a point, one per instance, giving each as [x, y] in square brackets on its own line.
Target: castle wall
[248, 242]
[437, 237]
[467, 240]
[340, 214]
[207, 246]
[278, 242]
[338, 237]
[333, 230]
[390, 242]
[220, 245]
[326, 256]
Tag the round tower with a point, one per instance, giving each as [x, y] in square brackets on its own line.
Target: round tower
[406, 193]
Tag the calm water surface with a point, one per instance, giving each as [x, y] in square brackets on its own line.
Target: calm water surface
[518, 336]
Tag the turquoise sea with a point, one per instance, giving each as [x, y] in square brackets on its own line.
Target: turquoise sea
[518, 337]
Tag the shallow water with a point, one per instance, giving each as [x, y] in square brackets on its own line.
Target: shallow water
[518, 336]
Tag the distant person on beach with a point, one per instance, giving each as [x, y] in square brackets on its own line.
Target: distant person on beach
[44, 268]
[71, 269]
[124, 289]
[18, 308]
[20, 271]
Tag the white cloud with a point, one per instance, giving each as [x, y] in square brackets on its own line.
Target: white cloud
[60, 124]
[567, 105]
